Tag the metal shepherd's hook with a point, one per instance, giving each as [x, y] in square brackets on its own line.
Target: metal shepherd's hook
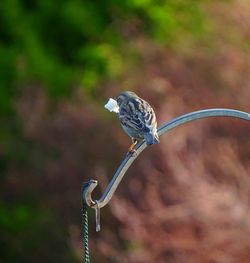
[126, 163]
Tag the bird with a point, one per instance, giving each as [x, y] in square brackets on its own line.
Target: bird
[137, 119]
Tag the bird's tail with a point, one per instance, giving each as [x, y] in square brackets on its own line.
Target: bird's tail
[151, 138]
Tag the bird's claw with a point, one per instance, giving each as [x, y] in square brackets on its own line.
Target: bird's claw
[132, 152]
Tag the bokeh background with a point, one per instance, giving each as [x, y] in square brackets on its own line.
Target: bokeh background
[185, 200]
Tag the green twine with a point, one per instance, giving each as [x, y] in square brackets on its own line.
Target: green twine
[85, 233]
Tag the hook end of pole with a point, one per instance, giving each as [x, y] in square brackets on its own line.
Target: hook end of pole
[87, 189]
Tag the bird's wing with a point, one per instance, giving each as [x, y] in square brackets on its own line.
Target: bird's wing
[138, 115]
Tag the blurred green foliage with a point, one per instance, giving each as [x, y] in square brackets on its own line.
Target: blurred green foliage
[25, 228]
[64, 43]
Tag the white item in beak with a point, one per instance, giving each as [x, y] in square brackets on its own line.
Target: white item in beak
[112, 105]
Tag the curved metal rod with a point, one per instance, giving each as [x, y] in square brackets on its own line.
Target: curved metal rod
[126, 163]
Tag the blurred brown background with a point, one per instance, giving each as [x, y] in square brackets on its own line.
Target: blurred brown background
[184, 200]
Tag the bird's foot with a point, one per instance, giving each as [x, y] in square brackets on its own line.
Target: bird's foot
[132, 153]
[131, 150]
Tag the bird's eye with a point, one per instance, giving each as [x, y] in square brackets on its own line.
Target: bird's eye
[120, 99]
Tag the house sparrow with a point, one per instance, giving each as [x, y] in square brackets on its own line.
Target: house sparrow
[137, 119]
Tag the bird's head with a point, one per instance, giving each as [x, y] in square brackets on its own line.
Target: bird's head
[125, 96]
